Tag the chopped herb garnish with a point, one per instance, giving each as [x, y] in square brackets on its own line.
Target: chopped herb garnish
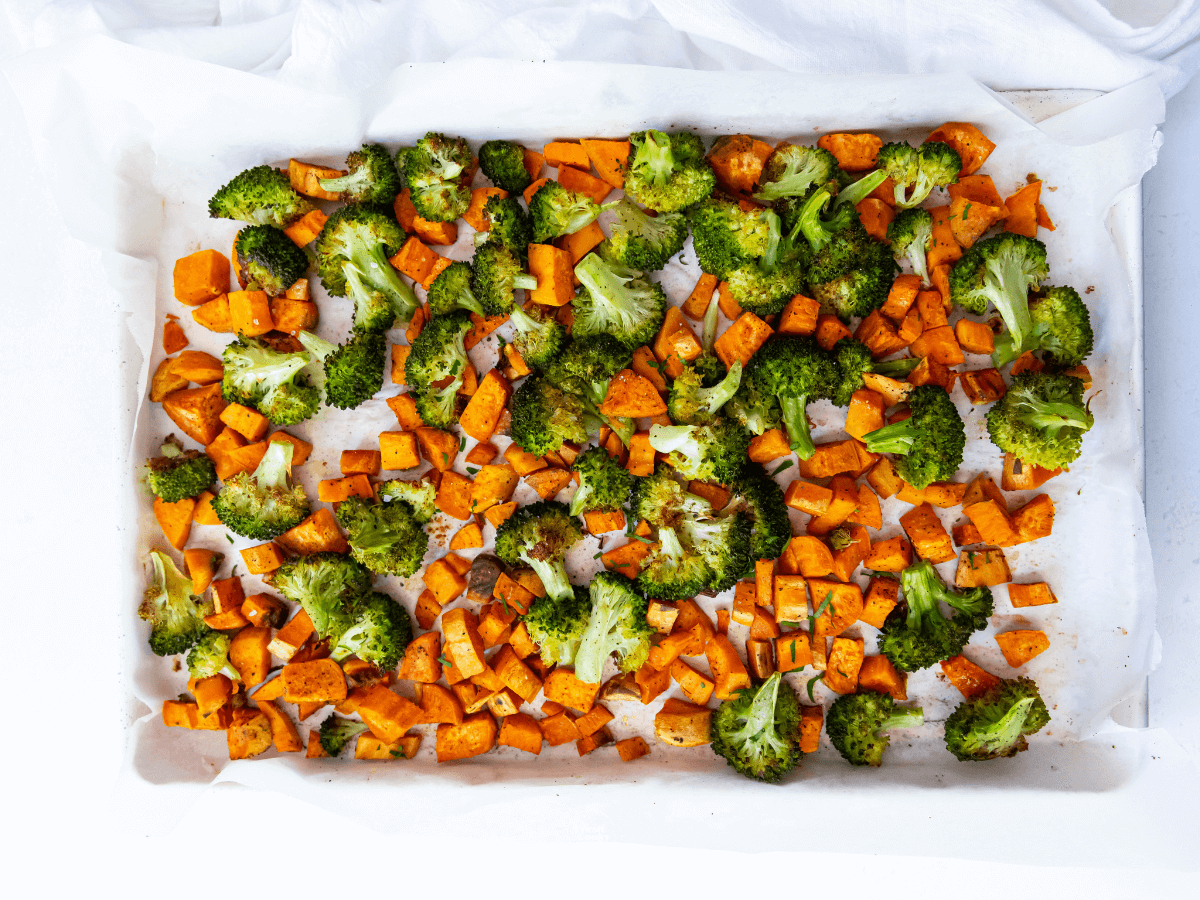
[783, 466]
[811, 683]
[472, 471]
[228, 538]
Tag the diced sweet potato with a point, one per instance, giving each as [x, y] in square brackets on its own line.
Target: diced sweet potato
[683, 724]
[1020, 646]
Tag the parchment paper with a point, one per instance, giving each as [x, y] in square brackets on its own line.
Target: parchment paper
[145, 145]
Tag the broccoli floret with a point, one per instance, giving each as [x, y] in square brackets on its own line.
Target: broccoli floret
[603, 482]
[850, 272]
[672, 571]
[379, 633]
[1041, 420]
[434, 171]
[372, 177]
[723, 542]
[1000, 271]
[616, 625]
[262, 504]
[765, 290]
[384, 537]
[354, 371]
[210, 657]
[758, 731]
[435, 366]
[451, 290]
[659, 498]
[916, 635]
[668, 171]
[508, 225]
[713, 452]
[853, 358]
[421, 496]
[911, 236]
[617, 301]
[539, 339]
[496, 272]
[179, 474]
[337, 732]
[793, 171]
[328, 586]
[587, 365]
[504, 163]
[857, 725]
[539, 535]
[269, 260]
[543, 416]
[930, 442]
[1062, 327]
[268, 380]
[917, 172]
[557, 211]
[557, 625]
[176, 617]
[261, 196]
[994, 724]
[755, 410]
[645, 242]
[726, 236]
[762, 500]
[794, 369]
[691, 404]
[352, 259]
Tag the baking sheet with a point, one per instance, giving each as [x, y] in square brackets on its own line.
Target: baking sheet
[174, 121]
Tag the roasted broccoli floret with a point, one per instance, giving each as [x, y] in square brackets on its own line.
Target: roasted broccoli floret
[352, 259]
[645, 242]
[689, 403]
[543, 416]
[557, 625]
[916, 635]
[795, 370]
[911, 236]
[929, 443]
[539, 339]
[726, 236]
[758, 731]
[1000, 271]
[336, 733]
[617, 301]
[434, 171]
[539, 535]
[668, 171]
[672, 571]
[858, 725]
[179, 474]
[762, 500]
[353, 372]
[853, 358]
[387, 538]
[379, 633]
[1062, 327]
[917, 172]
[850, 272]
[764, 285]
[269, 260]
[755, 410]
[496, 273]
[723, 542]
[269, 381]
[713, 452]
[556, 211]
[587, 365]
[504, 163]
[451, 290]
[328, 586]
[435, 366]
[508, 225]
[262, 504]
[372, 177]
[1041, 420]
[260, 196]
[421, 496]
[616, 626]
[210, 657]
[793, 171]
[994, 724]
[603, 482]
[176, 617]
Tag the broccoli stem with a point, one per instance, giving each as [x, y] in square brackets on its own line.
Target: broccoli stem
[906, 718]
[857, 192]
[795, 420]
[525, 282]
[897, 438]
[897, 367]
[761, 715]
[773, 238]
[709, 338]
[468, 300]
[553, 574]
[656, 155]
[1003, 272]
[275, 467]
[371, 263]
[348, 182]
[1053, 417]
[1005, 731]
[810, 224]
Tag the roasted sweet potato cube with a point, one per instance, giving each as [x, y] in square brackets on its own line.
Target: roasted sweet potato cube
[979, 568]
[1036, 594]
[878, 674]
[683, 724]
[563, 687]
[476, 735]
[843, 665]
[927, 534]
[248, 734]
[1022, 645]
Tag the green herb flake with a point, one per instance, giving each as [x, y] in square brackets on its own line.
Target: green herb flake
[811, 684]
[782, 467]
